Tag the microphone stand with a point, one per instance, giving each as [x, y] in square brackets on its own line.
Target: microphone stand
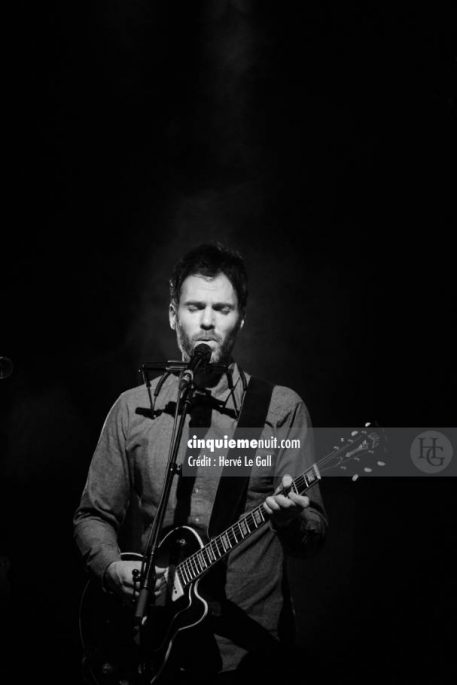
[186, 389]
[148, 572]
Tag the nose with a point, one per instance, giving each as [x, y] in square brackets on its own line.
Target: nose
[207, 318]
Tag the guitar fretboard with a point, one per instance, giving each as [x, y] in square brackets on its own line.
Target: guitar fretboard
[218, 547]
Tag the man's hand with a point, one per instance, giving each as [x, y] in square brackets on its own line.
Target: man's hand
[119, 578]
[286, 507]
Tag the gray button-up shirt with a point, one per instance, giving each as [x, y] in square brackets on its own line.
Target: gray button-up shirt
[127, 473]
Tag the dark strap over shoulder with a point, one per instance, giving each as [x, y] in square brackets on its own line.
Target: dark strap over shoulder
[231, 493]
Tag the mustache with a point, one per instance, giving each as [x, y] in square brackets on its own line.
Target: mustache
[207, 336]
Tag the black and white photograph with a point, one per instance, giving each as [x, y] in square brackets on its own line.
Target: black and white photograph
[228, 437]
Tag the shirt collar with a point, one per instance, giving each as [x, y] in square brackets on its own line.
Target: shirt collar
[229, 395]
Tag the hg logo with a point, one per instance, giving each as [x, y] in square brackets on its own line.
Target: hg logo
[431, 452]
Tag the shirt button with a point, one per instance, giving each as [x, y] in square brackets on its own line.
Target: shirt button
[196, 490]
[197, 519]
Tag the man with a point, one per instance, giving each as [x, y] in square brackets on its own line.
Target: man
[253, 611]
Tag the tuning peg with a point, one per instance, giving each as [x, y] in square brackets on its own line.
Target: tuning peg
[381, 463]
[367, 469]
[355, 477]
[368, 424]
[353, 433]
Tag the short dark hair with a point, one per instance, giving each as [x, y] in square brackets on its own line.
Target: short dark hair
[210, 260]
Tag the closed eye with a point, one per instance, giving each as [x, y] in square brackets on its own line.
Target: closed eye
[223, 308]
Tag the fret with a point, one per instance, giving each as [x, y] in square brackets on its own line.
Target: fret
[225, 542]
[312, 476]
[190, 571]
[185, 569]
[258, 517]
[294, 487]
[184, 572]
[193, 567]
[210, 553]
[199, 562]
[300, 482]
[234, 533]
[243, 528]
[215, 550]
[217, 541]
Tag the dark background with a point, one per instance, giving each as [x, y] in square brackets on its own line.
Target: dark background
[317, 138]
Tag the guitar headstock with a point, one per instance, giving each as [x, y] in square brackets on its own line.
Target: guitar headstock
[356, 455]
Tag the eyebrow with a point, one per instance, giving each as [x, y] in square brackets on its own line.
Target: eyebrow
[202, 303]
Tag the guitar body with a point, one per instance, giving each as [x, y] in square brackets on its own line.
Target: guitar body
[114, 652]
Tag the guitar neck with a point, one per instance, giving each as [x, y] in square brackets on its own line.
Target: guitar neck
[218, 547]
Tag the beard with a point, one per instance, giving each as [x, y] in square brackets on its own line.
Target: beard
[219, 355]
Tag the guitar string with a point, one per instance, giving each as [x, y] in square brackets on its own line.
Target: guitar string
[230, 532]
[257, 518]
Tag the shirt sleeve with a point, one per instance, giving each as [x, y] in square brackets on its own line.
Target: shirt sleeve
[105, 497]
[303, 536]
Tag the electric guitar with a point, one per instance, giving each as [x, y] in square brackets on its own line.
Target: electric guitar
[115, 653]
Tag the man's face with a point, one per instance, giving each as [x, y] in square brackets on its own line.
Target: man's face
[207, 312]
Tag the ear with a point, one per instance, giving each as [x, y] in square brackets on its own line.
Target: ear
[172, 316]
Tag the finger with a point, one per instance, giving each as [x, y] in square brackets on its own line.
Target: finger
[270, 509]
[284, 502]
[272, 503]
[126, 591]
[301, 500]
[159, 582]
[286, 481]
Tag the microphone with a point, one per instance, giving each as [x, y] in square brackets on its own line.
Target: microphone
[200, 357]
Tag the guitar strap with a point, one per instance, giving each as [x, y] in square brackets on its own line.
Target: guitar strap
[231, 493]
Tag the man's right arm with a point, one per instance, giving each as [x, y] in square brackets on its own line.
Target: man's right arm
[105, 498]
